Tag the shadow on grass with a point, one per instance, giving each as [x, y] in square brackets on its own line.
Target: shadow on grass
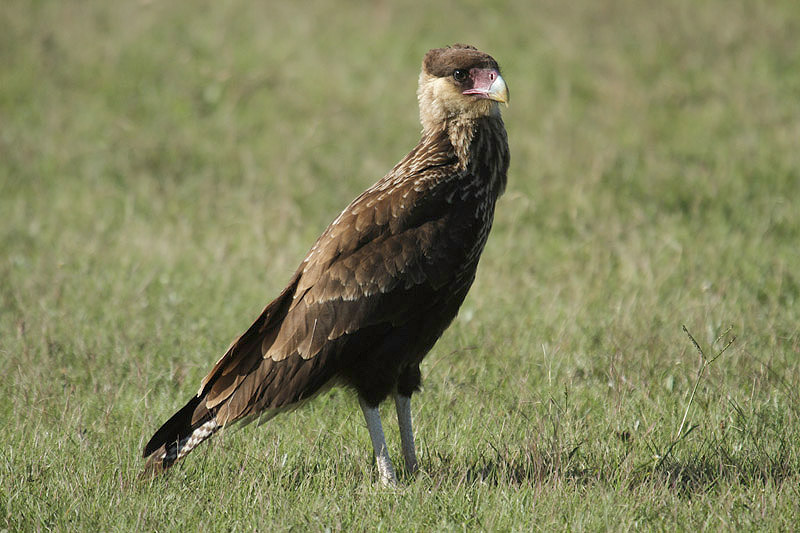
[688, 476]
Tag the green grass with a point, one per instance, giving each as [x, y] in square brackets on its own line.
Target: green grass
[165, 166]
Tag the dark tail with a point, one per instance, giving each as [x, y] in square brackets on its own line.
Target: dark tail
[178, 436]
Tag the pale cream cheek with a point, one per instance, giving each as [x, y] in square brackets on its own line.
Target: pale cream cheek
[440, 100]
[449, 97]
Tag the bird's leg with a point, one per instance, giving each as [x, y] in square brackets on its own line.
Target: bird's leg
[373, 418]
[403, 406]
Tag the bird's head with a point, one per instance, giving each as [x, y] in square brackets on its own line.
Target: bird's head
[458, 82]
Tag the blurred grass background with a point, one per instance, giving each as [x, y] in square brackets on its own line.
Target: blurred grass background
[165, 166]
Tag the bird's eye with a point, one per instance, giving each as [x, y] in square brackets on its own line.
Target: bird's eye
[460, 74]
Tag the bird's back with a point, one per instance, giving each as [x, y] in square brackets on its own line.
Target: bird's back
[375, 291]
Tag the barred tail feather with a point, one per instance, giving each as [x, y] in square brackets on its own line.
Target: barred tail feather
[178, 436]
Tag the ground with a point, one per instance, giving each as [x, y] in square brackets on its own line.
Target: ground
[165, 166]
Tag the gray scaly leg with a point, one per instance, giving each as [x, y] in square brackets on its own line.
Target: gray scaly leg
[385, 468]
[403, 406]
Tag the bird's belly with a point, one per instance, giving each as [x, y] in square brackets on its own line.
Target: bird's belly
[375, 358]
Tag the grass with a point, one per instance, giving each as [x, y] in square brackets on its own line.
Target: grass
[165, 166]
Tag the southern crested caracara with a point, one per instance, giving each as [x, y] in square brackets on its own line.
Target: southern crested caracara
[380, 285]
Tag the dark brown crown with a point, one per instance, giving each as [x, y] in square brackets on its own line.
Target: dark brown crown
[442, 62]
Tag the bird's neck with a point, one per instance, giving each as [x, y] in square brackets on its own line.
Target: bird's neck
[461, 131]
[481, 146]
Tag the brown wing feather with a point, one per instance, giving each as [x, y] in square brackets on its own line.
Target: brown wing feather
[245, 353]
[349, 281]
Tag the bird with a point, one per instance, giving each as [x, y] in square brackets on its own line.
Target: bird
[379, 286]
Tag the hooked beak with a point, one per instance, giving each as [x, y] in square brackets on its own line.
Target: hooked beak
[487, 83]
